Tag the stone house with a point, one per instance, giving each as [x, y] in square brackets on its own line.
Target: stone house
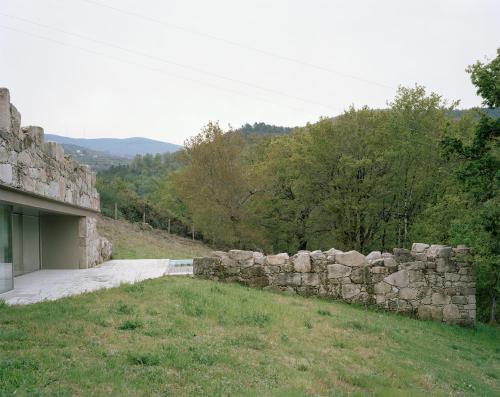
[48, 203]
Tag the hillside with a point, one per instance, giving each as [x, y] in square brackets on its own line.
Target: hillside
[178, 336]
[96, 159]
[125, 147]
[130, 242]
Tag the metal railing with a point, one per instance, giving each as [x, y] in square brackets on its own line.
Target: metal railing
[180, 266]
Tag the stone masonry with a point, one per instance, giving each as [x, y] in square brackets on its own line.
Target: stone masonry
[29, 164]
[431, 281]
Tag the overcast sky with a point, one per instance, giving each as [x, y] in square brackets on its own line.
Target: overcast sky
[163, 69]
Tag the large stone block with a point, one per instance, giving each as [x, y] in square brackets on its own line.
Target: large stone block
[424, 312]
[361, 275]
[451, 313]
[337, 271]
[419, 247]
[239, 255]
[302, 262]
[5, 121]
[33, 136]
[439, 251]
[349, 291]
[399, 279]
[56, 151]
[350, 258]
[373, 256]
[276, 260]
[439, 298]
[285, 279]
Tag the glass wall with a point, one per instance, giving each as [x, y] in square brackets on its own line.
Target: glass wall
[6, 271]
[25, 244]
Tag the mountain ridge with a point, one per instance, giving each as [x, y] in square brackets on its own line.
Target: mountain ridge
[122, 147]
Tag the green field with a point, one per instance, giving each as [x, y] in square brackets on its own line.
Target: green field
[189, 337]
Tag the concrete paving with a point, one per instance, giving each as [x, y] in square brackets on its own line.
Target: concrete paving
[55, 284]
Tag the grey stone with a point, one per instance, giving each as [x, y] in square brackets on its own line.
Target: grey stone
[382, 288]
[336, 270]
[5, 121]
[317, 256]
[374, 255]
[442, 265]
[350, 290]
[390, 262]
[350, 258]
[399, 279]
[424, 312]
[6, 174]
[302, 262]
[437, 313]
[288, 279]
[279, 259]
[310, 279]
[259, 258]
[408, 293]
[419, 247]
[450, 313]
[360, 275]
[439, 251]
[56, 151]
[440, 299]
[239, 255]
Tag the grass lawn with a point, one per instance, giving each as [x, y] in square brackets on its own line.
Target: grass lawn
[130, 242]
[188, 337]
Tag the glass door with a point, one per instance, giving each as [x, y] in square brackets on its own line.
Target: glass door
[6, 271]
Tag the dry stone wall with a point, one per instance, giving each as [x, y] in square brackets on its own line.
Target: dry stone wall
[29, 164]
[430, 281]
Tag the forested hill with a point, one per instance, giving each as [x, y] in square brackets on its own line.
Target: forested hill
[264, 129]
[126, 147]
[96, 159]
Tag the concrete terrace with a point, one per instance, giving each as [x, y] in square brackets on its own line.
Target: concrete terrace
[48, 285]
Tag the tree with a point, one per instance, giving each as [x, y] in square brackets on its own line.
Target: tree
[479, 174]
[216, 186]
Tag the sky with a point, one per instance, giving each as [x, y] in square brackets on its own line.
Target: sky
[164, 69]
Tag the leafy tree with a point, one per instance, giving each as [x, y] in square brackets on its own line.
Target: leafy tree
[216, 186]
[479, 175]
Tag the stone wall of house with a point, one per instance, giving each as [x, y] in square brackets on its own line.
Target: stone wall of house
[29, 164]
[32, 165]
[430, 281]
[94, 249]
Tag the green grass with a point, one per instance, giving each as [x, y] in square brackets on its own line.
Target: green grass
[188, 337]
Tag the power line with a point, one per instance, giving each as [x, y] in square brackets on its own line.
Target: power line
[143, 66]
[168, 61]
[236, 44]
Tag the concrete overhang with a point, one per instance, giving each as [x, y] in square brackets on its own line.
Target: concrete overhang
[16, 197]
